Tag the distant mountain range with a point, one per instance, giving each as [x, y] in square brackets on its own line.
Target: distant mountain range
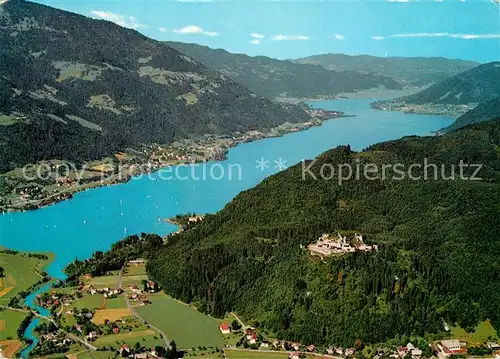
[416, 71]
[282, 78]
[75, 88]
[479, 84]
[483, 112]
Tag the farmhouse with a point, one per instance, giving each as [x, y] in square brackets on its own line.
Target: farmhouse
[224, 328]
[295, 355]
[251, 336]
[450, 347]
[124, 347]
[137, 261]
[350, 351]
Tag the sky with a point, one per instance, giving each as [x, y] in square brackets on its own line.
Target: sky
[466, 29]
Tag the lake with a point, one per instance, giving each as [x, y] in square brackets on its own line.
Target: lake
[95, 219]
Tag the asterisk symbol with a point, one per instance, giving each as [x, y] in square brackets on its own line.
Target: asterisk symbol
[262, 164]
[280, 164]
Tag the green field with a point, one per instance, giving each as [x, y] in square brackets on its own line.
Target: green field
[9, 322]
[147, 338]
[96, 355]
[105, 281]
[88, 301]
[21, 272]
[135, 269]
[130, 280]
[188, 327]
[115, 303]
[484, 332]
[237, 354]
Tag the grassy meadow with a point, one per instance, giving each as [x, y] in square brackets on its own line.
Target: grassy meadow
[182, 323]
[21, 272]
[9, 322]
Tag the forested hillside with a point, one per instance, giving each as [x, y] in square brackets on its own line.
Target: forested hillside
[438, 246]
[483, 112]
[479, 84]
[277, 78]
[416, 71]
[75, 88]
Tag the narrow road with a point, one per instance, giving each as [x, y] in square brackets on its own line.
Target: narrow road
[132, 309]
[240, 321]
[20, 310]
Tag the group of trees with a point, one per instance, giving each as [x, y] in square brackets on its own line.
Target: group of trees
[437, 240]
[132, 247]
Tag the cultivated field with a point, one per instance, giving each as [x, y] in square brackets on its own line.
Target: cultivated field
[115, 303]
[9, 322]
[135, 269]
[96, 355]
[147, 338]
[110, 280]
[111, 314]
[188, 327]
[90, 302]
[10, 347]
[21, 272]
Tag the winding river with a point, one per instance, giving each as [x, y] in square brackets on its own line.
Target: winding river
[95, 219]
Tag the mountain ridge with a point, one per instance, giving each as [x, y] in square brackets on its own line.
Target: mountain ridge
[480, 84]
[76, 94]
[282, 78]
[415, 71]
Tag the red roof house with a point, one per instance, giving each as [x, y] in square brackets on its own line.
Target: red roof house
[224, 328]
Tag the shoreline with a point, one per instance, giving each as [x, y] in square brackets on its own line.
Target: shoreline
[453, 111]
[217, 147]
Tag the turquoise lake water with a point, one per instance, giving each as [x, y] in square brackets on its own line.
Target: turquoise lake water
[95, 219]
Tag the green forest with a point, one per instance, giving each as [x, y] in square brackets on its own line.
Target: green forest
[438, 242]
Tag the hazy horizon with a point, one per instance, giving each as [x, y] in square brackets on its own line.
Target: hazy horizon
[290, 30]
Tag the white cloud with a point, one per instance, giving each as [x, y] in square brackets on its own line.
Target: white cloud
[255, 41]
[130, 22]
[194, 29]
[475, 36]
[447, 34]
[256, 35]
[398, 0]
[422, 34]
[377, 38]
[339, 37]
[281, 37]
[162, 29]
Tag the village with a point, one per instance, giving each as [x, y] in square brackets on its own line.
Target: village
[327, 246]
[125, 314]
[38, 185]
[443, 349]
